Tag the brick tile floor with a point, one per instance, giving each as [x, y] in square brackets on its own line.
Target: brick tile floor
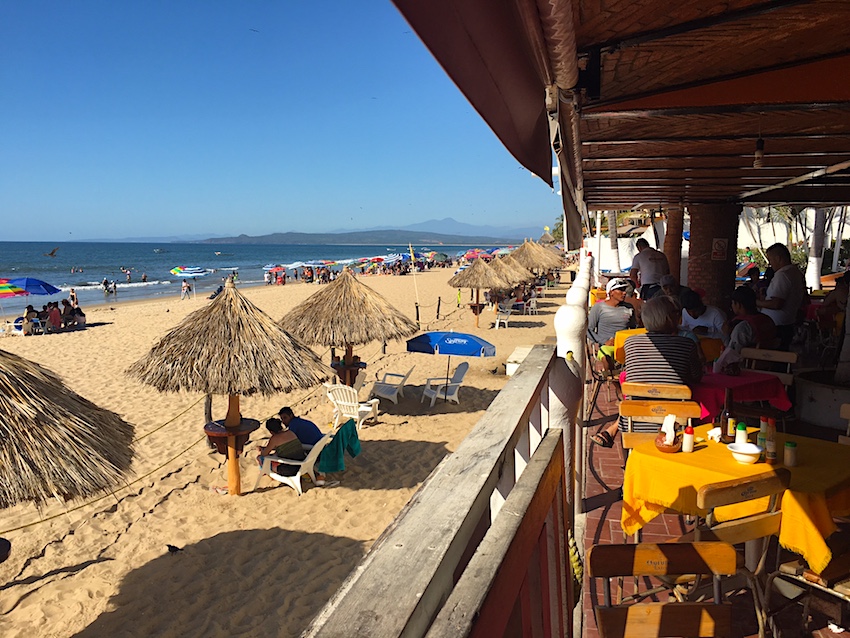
[604, 479]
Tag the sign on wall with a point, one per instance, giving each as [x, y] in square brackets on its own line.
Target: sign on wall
[719, 248]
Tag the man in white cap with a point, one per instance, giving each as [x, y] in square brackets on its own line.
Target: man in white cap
[608, 317]
[648, 267]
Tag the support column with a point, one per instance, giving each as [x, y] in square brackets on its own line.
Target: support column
[710, 267]
[673, 241]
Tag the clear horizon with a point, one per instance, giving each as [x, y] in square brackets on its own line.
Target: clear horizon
[140, 119]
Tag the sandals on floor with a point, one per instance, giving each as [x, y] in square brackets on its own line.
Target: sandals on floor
[603, 439]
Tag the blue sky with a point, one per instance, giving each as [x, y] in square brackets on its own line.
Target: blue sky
[154, 118]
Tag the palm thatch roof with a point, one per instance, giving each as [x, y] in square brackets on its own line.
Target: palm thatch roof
[347, 312]
[510, 272]
[53, 442]
[531, 255]
[546, 238]
[230, 347]
[480, 275]
[521, 272]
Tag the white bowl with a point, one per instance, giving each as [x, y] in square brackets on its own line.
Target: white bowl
[746, 453]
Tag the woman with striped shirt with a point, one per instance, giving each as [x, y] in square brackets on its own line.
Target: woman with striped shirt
[659, 356]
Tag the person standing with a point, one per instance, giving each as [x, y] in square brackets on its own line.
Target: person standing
[648, 267]
[72, 297]
[185, 290]
[785, 294]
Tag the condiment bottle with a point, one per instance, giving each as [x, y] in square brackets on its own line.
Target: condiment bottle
[770, 444]
[741, 433]
[688, 439]
[790, 454]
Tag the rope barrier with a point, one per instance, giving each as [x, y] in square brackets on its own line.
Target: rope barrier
[105, 496]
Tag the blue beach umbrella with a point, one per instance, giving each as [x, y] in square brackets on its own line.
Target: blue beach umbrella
[34, 286]
[459, 344]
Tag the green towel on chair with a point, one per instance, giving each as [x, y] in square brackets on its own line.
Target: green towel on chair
[345, 440]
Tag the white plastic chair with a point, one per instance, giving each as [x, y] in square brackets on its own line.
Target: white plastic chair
[304, 467]
[359, 380]
[531, 306]
[503, 316]
[391, 386]
[437, 386]
[347, 406]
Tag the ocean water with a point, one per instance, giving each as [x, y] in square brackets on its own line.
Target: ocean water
[94, 261]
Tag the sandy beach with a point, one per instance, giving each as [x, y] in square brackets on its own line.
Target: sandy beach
[260, 564]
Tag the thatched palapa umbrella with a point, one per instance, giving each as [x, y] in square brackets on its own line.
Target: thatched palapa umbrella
[479, 275]
[521, 271]
[53, 442]
[346, 313]
[230, 347]
[513, 274]
[531, 255]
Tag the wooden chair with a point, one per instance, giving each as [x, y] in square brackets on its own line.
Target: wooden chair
[755, 530]
[604, 371]
[671, 618]
[650, 403]
[762, 360]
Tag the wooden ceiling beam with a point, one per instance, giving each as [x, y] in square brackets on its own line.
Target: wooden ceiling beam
[718, 109]
[691, 25]
[813, 195]
[718, 138]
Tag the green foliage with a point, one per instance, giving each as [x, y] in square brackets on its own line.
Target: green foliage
[558, 230]
[843, 256]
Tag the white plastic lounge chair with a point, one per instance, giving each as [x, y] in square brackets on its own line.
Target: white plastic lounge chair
[391, 386]
[359, 380]
[347, 406]
[437, 386]
[304, 467]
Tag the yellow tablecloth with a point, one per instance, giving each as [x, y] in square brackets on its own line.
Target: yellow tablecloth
[711, 348]
[820, 489]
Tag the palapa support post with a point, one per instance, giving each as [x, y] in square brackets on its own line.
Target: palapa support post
[232, 421]
[477, 305]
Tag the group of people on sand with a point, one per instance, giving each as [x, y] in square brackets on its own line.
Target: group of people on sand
[52, 319]
[676, 318]
[291, 438]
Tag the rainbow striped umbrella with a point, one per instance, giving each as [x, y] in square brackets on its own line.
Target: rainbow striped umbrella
[8, 289]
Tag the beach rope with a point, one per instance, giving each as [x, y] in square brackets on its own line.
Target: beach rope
[171, 420]
[105, 496]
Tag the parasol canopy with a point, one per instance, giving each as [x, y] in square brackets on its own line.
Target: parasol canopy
[8, 289]
[53, 442]
[479, 275]
[523, 273]
[347, 312]
[507, 272]
[229, 347]
[531, 255]
[34, 286]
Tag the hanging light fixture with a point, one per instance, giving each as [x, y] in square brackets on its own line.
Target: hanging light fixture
[758, 156]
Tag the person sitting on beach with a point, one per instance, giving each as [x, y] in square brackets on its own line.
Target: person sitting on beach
[29, 315]
[285, 444]
[54, 319]
[79, 318]
[68, 319]
[306, 431]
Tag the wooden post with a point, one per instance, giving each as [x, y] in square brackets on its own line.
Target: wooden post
[475, 311]
[232, 420]
[438, 308]
[417, 312]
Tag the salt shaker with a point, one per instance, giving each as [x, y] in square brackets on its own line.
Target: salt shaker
[688, 439]
[790, 454]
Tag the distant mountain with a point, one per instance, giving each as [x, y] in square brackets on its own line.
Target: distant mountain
[453, 227]
[365, 238]
[173, 239]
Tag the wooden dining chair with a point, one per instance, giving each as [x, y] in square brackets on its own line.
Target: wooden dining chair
[755, 530]
[641, 619]
[650, 403]
[775, 363]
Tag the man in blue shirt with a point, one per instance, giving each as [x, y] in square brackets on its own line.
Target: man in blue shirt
[305, 430]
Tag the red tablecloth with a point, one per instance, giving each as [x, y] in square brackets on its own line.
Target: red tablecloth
[710, 392]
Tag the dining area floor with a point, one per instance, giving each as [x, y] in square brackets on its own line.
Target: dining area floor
[603, 506]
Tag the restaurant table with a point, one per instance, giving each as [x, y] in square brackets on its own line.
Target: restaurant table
[749, 386]
[711, 348]
[819, 489]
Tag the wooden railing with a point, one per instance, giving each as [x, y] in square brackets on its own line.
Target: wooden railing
[481, 548]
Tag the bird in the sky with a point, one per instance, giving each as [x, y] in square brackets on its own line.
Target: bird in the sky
[254, 30]
[52, 253]
[173, 549]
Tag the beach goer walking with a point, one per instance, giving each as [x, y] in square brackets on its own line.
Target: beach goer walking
[185, 290]
[114, 287]
[128, 276]
[268, 278]
[72, 297]
[144, 277]
[785, 294]
[648, 267]
[105, 284]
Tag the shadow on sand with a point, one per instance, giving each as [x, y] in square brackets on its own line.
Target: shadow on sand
[236, 583]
